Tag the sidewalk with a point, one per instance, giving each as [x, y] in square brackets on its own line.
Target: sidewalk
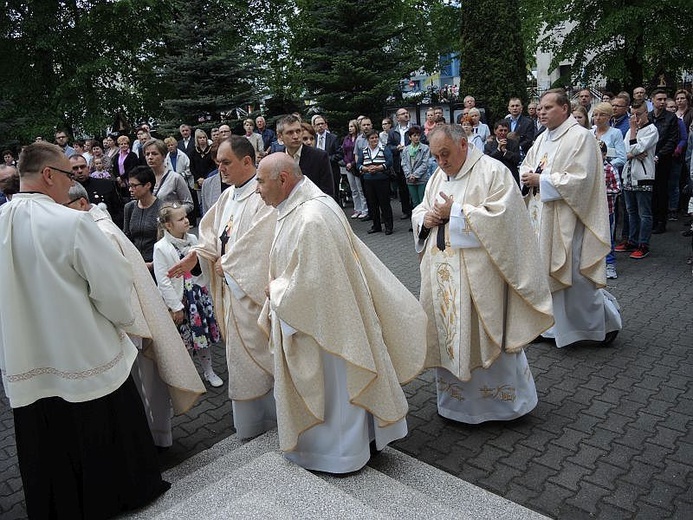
[611, 436]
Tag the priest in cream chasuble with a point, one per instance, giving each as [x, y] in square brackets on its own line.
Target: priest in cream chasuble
[344, 331]
[481, 283]
[566, 168]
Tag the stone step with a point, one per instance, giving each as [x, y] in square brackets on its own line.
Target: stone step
[206, 468]
[464, 499]
[199, 460]
[270, 487]
[389, 497]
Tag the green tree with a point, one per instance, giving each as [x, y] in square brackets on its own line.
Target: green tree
[351, 54]
[493, 67]
[626, 42]
[207, 70]
[73, 64]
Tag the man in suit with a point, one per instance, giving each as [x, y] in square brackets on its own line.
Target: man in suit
[397, 141]
[327, 142]
[314, 163]
[521, 125]
[503, 149]
[187, 143]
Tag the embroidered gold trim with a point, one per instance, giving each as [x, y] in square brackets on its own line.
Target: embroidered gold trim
[84, 374]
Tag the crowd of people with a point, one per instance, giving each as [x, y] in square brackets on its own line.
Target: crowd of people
[325, 367]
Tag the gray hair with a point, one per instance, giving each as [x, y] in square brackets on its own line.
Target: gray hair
[454, 132]
[77, 191]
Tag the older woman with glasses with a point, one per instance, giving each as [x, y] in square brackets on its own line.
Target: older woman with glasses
[140, 223]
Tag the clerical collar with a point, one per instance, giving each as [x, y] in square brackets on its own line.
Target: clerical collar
[240, 190]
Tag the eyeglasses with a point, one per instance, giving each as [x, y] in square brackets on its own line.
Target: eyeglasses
[135, 185]
[71, 201]
[69, 174]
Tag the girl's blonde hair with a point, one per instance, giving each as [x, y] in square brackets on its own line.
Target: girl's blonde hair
[165, 214]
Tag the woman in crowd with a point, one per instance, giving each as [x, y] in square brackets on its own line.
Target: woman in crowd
[186, 297]
[169, 187]
[97, 152]
[357, 196]
[308, 137]
[178, 161]
[123, 163]
[201, 164]
[415, 165]
[581, 115]
[141, 213]
[385, 134]
[683, 107]
[472, 138]
[610, 136]
[110, 149]
[254, 138]
[430, 123]
[374, 163]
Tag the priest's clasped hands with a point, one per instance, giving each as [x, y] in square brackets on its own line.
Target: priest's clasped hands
[440, 213]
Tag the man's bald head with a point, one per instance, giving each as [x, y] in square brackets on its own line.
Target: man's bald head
[277, 175]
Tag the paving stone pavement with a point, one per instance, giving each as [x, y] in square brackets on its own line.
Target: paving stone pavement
[611, 437]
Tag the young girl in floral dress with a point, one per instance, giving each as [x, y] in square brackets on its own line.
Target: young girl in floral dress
[186, 297]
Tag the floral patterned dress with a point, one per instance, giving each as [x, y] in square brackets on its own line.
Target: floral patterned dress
[199, 328]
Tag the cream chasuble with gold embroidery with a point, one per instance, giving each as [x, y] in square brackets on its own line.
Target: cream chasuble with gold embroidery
[463, 290]
[338, 298]
[242, 220]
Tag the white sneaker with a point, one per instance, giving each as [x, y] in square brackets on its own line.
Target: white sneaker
[356, 214]
[213, 379]
[611, 272]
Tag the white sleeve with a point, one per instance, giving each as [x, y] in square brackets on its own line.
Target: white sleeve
[461, 235]
[547, 191]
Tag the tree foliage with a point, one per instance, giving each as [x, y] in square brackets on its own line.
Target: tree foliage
[351, 54]
[626, 42]
[492, 55]
[70, 64]
[207, 69]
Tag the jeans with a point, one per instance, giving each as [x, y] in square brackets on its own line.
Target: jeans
[674, 183]
[639, 206]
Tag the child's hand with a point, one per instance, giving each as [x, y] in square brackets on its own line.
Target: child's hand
[178, 317]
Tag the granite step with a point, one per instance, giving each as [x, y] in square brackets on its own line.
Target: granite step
[205, 468]
[270, 487]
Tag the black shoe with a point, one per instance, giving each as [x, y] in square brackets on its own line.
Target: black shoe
[609, 339]
[374, 230]
[388, 231]
[687, 233]
[406, 216]
[659, 229]
[366, 218]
